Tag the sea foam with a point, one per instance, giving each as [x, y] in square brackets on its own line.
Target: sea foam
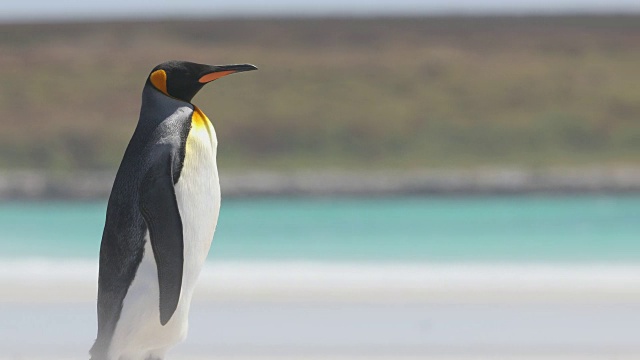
[40, 280]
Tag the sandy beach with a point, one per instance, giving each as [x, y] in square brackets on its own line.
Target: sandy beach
[349, 311]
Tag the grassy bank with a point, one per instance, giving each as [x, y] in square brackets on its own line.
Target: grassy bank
[342, 93]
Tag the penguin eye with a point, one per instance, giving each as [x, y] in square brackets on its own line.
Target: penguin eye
[159, 80]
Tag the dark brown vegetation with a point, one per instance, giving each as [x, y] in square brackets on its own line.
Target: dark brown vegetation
[345, 93]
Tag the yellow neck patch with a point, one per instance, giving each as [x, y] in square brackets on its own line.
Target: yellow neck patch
[198, 118]
[159, 80]
[200, 122]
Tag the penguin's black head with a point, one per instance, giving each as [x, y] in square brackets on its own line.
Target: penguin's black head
[182, 79]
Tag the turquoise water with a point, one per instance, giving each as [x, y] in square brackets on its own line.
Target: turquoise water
[478, 229]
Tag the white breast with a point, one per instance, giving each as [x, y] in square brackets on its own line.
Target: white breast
[198, 196]
[139, 334]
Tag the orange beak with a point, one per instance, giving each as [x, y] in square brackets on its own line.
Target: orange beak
[224, 70]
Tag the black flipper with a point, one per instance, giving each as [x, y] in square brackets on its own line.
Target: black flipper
[160, 211]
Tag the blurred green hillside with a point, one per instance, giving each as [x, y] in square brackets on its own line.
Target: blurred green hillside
[342, 93]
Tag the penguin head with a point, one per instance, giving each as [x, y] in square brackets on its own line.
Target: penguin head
[182, 79]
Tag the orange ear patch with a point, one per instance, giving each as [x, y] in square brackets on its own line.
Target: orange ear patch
[159, 80]
[214, 75]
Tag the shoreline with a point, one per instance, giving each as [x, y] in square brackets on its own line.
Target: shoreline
[319, 311]
[36, 281]
[93, 185]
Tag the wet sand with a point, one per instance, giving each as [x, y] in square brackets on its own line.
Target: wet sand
[336, 330]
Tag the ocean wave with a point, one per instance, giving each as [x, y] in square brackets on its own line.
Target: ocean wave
[76, 280]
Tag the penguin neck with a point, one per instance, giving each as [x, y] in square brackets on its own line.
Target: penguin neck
[156, 106]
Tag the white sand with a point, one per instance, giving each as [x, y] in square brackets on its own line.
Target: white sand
[346, 311]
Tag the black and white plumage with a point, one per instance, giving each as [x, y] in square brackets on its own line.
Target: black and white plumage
[161, 217]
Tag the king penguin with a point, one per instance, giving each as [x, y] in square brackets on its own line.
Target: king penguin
[161, 217]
